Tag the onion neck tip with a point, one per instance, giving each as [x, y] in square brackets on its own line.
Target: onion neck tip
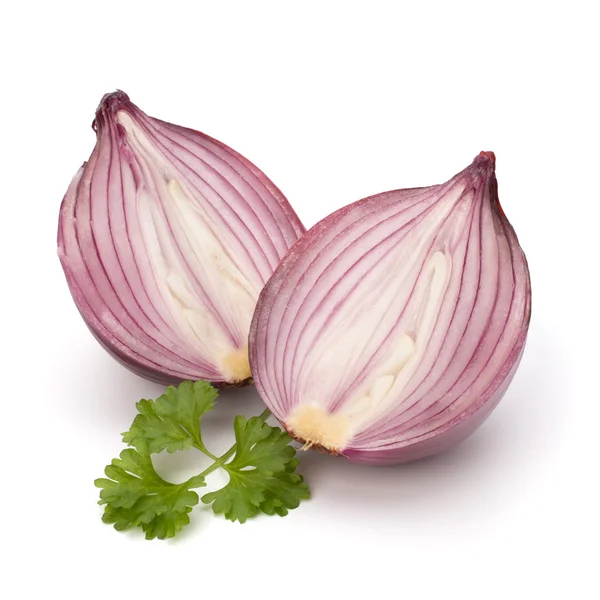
[110, 104]
[487, 155]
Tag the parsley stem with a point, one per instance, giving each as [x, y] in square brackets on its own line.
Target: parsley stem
[199, 444]
[265, 414]
[216, 465]
[221, 460]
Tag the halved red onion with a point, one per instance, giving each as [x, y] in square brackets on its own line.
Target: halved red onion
[394, 326]
[167, 237]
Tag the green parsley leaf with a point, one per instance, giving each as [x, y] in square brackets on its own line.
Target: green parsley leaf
[135, 495]
[172, 421]
[262, 474]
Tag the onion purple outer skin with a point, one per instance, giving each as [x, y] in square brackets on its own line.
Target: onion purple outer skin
[471, 351]
[117, 254]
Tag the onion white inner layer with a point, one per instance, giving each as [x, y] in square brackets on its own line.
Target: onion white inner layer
[215, 322]
[405, 290]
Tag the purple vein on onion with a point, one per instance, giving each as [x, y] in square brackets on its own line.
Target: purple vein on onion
[393, 327]
[167, 237]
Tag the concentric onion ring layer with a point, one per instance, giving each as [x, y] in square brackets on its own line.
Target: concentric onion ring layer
[393, 327]
[167, 237]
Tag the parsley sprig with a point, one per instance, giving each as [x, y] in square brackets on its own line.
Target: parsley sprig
[261, 466]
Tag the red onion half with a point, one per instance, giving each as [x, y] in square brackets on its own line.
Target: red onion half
[394, 326]
[167, 237]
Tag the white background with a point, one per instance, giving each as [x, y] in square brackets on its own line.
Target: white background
[334, 101]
